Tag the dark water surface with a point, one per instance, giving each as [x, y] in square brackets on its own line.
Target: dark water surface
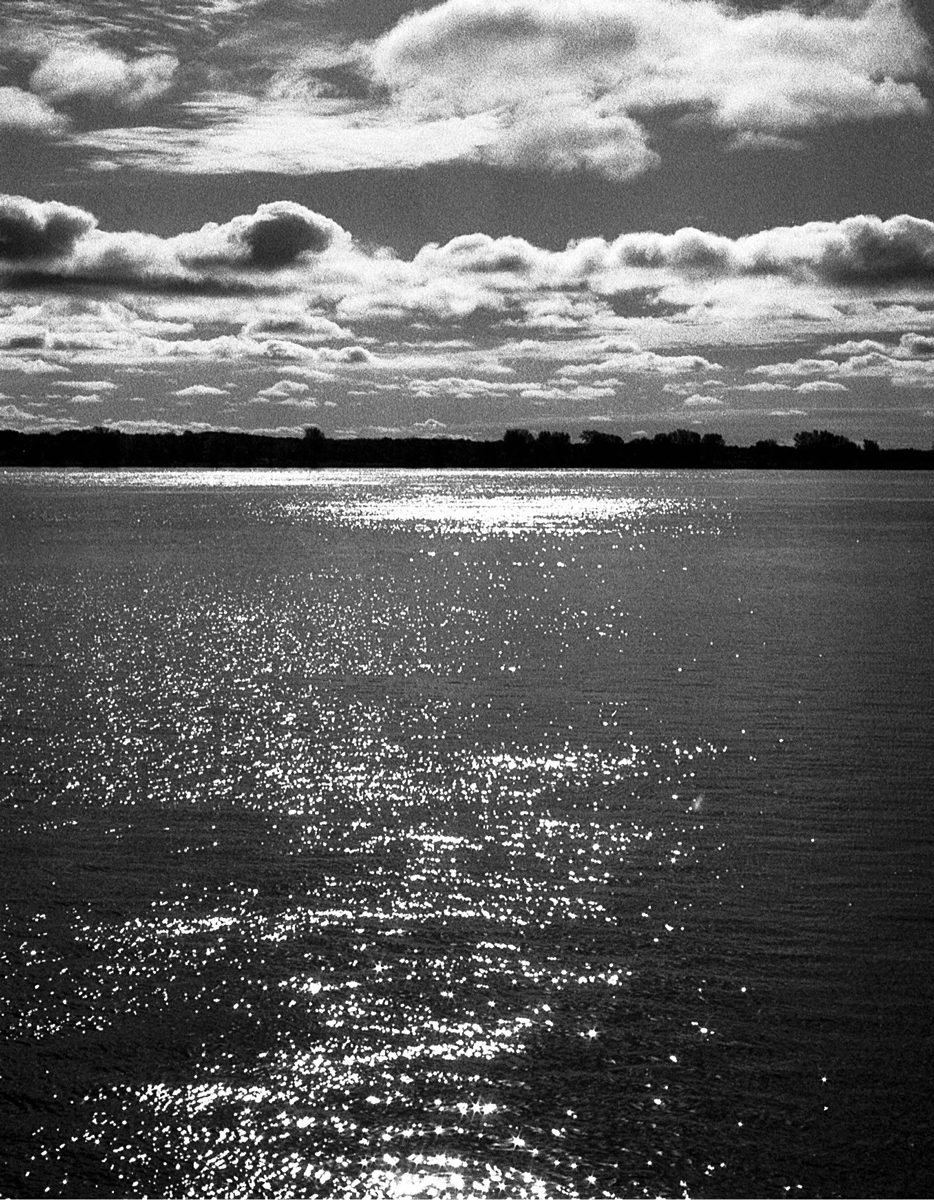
[464, 834]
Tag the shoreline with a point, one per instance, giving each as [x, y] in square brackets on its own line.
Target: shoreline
[518, 449]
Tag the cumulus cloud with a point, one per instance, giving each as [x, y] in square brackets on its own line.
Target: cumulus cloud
[299, 401]
[30, 366]
[156, 425]
[899, 371]
[200, 389]
[699, 401]
[89, 385]
[297, 325]
[76, 71]
[67, 240]
[22, 112]
[909, 345]
[40, 230]
[477, 318]
[10, 412]
[565, 133]
[916, 344]
[447, 386]
[284, 389]
[764, 386]
[861, 249]
[531, 84]
[783, 274]
[863, 346]
[570, 83]
[798, 367]
[866, 359]
[350, 354]
[29, 340]
[814, 270]
[644, 362]
[274, 236]
[815, 386]
[857, 250]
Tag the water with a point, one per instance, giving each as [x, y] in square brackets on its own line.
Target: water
[464, 834]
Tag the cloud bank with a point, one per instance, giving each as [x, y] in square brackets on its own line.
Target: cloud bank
[327, 282]
[69, 75]
[571, 85]
[86, 72]
[66, 239]
[474, 321]
[522, 84]
[29, 230]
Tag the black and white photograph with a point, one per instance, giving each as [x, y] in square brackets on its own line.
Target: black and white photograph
[466, 599]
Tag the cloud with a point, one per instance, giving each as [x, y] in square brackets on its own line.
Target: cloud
[565, 133]
[67, 323]
[201, 389]
[297, 325]
[284, 389]
[813, 273]
[27, 340]
[750, 139]
[898, 370]
[571, 82]
[240, 133]
[155, 425]
[30, 366]
[916, 344]
[871, 360]
[485, 320]
[858, 250]
[866, 250]
[299, 402]
[815, 386]
[864, 346]
[31, 230]
[698, 401]
[274, 236]
[350, 354]
[22, 112]
[214, 257]
[538, 85]
[765, 386]
[801, 366]
[88, 385]
[9, 412]
[644, 362]
[910, 345]
[87, 72]
[784, 274]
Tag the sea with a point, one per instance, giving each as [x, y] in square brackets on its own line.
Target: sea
[466, 834]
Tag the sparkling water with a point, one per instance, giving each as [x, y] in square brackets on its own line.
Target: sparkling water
[466, 833]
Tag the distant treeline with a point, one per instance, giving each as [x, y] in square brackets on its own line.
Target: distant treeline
[106, 447]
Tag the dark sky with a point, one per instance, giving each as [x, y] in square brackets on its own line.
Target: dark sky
[269, 214]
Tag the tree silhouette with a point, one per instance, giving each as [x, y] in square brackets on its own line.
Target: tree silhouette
[104, 446]
[313, 444]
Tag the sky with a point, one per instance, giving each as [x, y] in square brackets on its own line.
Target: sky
[468, 216]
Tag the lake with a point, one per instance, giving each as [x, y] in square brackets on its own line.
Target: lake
[383, 834]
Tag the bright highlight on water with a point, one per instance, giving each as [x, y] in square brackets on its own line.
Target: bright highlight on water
[466, 834]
